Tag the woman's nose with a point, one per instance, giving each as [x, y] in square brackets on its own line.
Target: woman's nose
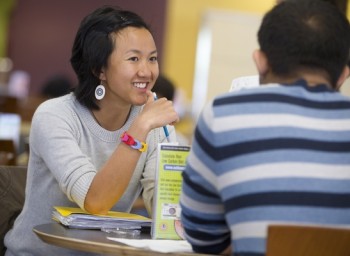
[145, 69]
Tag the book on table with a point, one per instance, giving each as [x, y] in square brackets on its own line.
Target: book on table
[77, 218]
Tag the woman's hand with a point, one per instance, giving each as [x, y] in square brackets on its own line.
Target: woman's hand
[157, 113]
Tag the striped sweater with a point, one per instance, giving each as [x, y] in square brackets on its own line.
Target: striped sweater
[273, 154]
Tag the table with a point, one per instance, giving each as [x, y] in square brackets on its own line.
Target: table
[93, 241]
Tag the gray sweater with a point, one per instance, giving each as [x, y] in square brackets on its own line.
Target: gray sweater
[67, 148]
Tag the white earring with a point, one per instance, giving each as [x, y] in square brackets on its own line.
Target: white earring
[100, 92]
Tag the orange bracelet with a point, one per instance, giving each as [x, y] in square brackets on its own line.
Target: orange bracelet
[133, 143]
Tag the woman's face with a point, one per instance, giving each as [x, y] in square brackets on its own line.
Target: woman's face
[132, 67]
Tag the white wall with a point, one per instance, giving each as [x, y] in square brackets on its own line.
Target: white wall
[226, 41]
[225, 44]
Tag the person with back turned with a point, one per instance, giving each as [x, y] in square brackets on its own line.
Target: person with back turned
[280, 152]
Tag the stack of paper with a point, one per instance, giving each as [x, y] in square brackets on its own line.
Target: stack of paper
[77, 218]
[158, 245]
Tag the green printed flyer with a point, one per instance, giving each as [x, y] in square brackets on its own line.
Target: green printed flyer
[166, 211]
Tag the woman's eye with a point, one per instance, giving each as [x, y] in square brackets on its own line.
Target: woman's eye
[153, 59]
[134, 59]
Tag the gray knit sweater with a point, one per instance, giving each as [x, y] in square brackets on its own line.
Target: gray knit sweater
[67, 147]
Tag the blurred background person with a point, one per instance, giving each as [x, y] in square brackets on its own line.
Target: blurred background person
[56, 86]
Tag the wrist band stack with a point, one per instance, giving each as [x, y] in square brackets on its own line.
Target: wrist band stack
[133, 143]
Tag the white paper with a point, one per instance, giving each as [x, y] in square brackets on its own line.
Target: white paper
[244, 82]
[159, 245]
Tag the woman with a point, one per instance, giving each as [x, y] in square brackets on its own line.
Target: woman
[96, 148]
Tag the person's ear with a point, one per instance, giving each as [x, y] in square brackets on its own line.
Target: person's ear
[261, 62]
[102, 75]
[343, 76]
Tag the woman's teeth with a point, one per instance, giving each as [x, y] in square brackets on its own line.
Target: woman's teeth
[140, 85]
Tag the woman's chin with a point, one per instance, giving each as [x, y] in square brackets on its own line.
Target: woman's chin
[139, 102]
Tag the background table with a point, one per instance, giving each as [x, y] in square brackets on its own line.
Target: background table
[92, 241]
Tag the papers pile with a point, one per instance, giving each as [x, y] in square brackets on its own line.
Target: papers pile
[158, 245]
[77, 218]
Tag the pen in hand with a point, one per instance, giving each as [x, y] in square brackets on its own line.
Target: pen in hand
[166, 132]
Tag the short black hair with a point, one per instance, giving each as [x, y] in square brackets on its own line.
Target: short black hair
[310, 34]
[342, 5]
[94, 44]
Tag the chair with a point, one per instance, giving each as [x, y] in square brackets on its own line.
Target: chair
[8, 104]
[28, 106]
[307, 241]
[8, 153]
[12, 191]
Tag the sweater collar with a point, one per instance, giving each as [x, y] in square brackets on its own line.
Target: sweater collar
[111, 136]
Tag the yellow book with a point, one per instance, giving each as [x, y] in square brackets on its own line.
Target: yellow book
[75, 217]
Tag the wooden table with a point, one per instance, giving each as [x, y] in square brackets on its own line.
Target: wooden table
[92, 241]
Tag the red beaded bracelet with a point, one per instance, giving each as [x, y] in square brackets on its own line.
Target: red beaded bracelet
[133, 143]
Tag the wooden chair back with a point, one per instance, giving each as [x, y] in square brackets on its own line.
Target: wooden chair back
[8, 152]
[289, 240]
[8, 104]
[12, 194]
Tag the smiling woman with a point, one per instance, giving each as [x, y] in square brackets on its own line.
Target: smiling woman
[131, 71]
[101, 140]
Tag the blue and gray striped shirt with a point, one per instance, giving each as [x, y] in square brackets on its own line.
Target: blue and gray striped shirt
[275, 154]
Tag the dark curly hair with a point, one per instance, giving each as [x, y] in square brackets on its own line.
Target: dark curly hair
[305, 34]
